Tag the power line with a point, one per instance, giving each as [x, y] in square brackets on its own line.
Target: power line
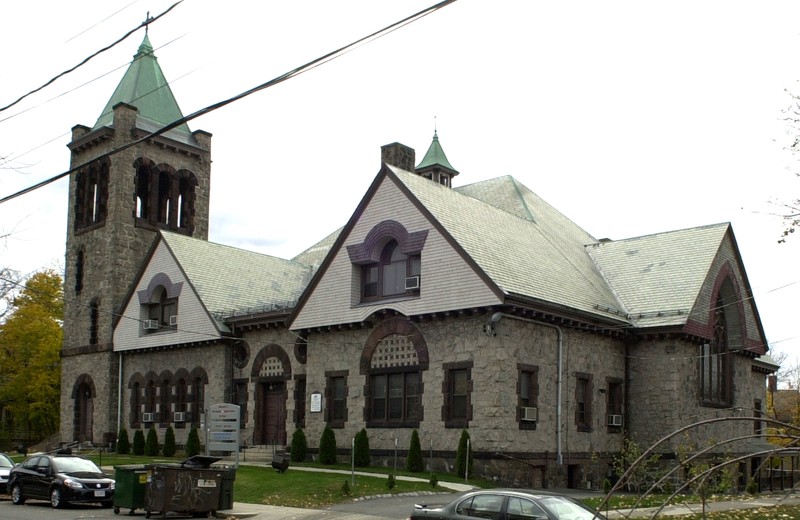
[86, 60]
[275, 81]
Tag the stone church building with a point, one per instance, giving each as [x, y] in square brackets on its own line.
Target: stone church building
[435, 308]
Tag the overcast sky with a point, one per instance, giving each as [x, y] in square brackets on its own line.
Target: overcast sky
[631, 118]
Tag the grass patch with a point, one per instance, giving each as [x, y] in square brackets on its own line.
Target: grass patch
[263, 485]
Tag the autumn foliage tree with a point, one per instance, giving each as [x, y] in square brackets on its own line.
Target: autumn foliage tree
[30, 344]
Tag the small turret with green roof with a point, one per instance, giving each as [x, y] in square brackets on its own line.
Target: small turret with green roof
[435, 166]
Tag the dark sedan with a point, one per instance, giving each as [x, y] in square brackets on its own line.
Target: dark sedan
[506, 504]
[60, 479]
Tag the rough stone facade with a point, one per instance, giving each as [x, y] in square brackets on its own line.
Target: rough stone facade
[106, 246]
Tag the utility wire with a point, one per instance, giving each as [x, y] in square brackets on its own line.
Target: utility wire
[86, 60]
[271, 83]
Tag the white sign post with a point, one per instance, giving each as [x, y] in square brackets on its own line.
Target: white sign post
[223, 428]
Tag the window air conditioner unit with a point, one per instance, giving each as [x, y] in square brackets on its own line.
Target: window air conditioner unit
[179, 417]
[150, 325]
[530, 414]
[615, 420]
[148, 417]
[173, 320]
[412, 282]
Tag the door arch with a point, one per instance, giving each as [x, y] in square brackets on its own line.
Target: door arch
[83, 394]
[271, 369]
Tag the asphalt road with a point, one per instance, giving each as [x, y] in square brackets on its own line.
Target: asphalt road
[390, 508]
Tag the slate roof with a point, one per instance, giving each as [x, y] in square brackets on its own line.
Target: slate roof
[229, 280]
[540, 257]
[658, 277]
[145, 87]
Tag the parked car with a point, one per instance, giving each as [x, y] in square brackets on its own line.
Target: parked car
[508, 504]
[5, 468]
[60, 479]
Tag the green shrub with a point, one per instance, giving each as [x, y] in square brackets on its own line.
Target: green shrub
[434, 480]
[327, 446]
[390, 482]
[464, 455]
[138, 443]
[151, 444]
[414, 461]
[169, 443]
[346, 488]
[123, 443]
[361, 456]
[299, 446]
[193, 443]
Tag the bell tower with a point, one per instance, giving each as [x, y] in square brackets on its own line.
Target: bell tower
[127, 185]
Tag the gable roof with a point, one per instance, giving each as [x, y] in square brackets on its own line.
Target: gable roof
[543, 259]
[658, 277]
[145, 87]
[229, 280]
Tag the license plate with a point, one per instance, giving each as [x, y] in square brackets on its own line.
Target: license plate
[99, 493]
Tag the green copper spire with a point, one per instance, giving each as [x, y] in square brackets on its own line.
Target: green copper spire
[145, 87]
[435, 157]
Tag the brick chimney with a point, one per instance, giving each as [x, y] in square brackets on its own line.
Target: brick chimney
[398, 155]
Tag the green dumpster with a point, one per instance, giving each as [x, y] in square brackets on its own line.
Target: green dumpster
[226, 487]
[131, 482]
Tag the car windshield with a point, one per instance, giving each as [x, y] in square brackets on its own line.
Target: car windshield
[6, 462]
[75, 465]
[565, 508]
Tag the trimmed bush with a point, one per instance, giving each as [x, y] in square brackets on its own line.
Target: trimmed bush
[138, 443]
[390, 482]
[327, 446]
[169, 443]
[151, 444]
[414, 462]
[123, 443]
[434, 480]
[463, 458]
[193, 443]
[299, 446]
[361, 456]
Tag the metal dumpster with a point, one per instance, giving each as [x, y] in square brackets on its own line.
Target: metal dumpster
[131, 482]
[190, 487]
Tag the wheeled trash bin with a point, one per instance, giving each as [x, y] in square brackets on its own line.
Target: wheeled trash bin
[131, 482]
[190, 487]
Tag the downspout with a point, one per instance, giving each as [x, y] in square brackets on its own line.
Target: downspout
[119, 394]
[559, 385]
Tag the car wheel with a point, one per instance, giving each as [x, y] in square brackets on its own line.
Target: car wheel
[16, 495]
[55, 498]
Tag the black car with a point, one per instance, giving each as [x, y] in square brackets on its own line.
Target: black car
[60, 479]
[5, 468]
[508, 504]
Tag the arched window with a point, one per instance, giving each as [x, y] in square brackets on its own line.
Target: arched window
[91, 195]
[162, 309]
[164, 198]
[180, 396]
[388, 277]
[164, 415]
[197, 400]
[94, 321]
[79, 271]
[393, 360]
[716, 365]
[136, 403]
